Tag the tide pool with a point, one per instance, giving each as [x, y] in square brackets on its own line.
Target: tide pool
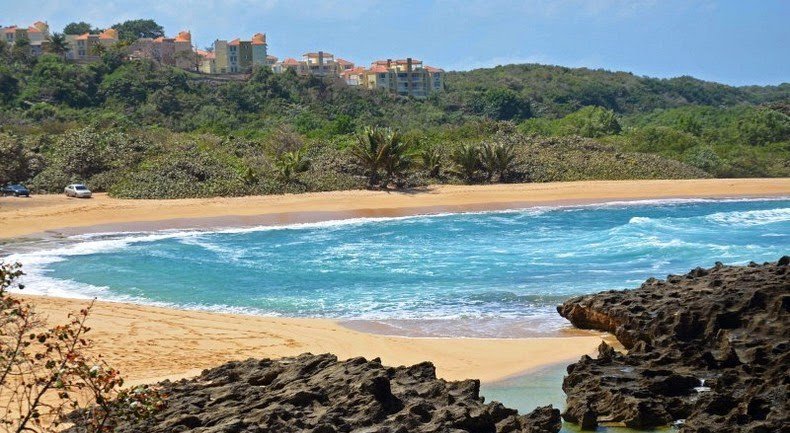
[476, 274]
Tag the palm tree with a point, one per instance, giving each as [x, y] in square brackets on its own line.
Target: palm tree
[431, 161]
[370, 152]
[400, 159]
[497, 158]
[290, 164]
[380, 150]
[466, 161]
[58, 45]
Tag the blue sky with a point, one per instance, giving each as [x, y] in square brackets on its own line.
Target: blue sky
[735, 42]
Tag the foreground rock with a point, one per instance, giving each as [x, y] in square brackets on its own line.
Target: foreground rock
[710, 347]
[319, 394]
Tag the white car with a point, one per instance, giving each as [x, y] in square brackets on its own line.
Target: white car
[77, 190]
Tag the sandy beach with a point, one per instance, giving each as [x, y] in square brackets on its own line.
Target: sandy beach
[150, 344]
[58, 215]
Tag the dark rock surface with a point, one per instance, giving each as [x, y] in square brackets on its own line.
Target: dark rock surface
[319, 394]
[727, 325]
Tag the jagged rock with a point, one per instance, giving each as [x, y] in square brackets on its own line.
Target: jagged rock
[319, 394]
[728, 326]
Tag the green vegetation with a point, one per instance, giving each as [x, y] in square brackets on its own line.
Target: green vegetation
[139, 129]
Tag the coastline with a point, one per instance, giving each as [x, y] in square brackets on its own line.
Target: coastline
[54, 216]
[149, 343]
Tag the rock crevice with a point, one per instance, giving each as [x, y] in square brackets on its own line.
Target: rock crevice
[709, 350]
[320, 394]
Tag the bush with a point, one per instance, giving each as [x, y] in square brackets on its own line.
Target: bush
[49, 375]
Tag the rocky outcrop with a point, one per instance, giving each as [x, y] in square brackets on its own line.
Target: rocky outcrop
[709, 350]
[319, 394]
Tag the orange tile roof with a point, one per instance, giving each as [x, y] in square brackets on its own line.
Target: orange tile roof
[82, 37]
[11, 29]
[206, 54]
[272, 58]
[32, 29]
[406, 61]
[290, 62]
[343, 61]
[259, 39]
[355, 71]
[109, 34]
[234, 42]
[184, 36]
[432, 69]
[377, 69]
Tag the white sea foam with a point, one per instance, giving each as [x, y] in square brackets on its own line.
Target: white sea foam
[35, 262]
[751, 217]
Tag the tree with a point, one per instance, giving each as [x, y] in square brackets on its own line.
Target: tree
[466, 161]
[79, 28]
[54, 81]
[763, 126]
[502, 104]
[133, 30]
[591, 122]
[383, 154]
[9, 85]
[16, 160]
[431, 161]
[497, 159]
[58, 45]
[20, 51]
[291, 164]
[48, 372]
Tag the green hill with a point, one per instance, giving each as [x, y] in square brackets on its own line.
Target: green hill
[120, 124]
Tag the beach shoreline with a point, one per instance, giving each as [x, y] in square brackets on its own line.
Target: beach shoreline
[183, 342]
[150, 344]
[55, 216]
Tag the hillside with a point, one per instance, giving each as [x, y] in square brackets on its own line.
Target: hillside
[141, 129]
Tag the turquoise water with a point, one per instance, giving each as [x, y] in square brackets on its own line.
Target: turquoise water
[540, 387]
[475, 274]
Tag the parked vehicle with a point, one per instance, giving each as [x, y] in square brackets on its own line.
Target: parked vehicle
[77, 190]
[17, 190]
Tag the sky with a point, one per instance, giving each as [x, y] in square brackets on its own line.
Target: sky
[738, 42]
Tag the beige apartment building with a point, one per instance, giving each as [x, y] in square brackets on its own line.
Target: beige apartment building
[175, 51]
[83, 48]
[320, 64]
[407, 77]
[236, 56]
[37, 34]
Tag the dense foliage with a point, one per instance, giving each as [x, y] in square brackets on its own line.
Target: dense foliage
[140, 129]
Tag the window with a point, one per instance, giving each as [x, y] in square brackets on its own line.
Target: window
[82, 52]
[382, 75]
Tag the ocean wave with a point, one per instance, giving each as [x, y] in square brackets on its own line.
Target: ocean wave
[751, 217]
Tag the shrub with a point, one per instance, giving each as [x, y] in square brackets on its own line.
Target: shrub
[48, 372]
[497, 159]
[466, 162]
